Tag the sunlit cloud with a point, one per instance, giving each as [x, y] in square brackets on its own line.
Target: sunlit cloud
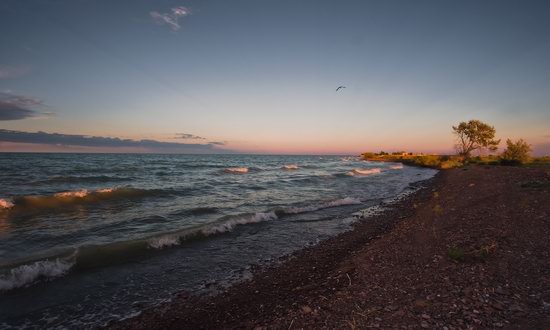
[7, 72]
[17, 107]
[170, 19]
[146, 145]
[187, 136]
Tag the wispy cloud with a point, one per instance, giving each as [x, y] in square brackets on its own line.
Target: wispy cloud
[16, 107]
[57, 139]
[170, 19]
[187, 136]
[7, 72]
[218, 143]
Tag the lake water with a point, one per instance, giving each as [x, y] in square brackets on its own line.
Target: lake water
[87, 238]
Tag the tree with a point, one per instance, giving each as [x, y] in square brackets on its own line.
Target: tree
[516, 152]
[474, 135]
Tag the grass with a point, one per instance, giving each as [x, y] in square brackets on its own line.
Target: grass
[450, 161]
[456, 253]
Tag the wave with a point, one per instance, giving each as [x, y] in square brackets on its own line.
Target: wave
[223, 225]
[396, 166]
[290, 167]
[361, 171]
[76, 197]
[237, 170]
[325, 205]
[93, 256]
[26, 275]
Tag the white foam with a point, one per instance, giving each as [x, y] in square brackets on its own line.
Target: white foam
[364, 171]
[396, 166]
[326, 205]
[68, 194]
[236, 170]
[25, 275]
[230, 224]
[290, 167]
[105, 190]
[164, 241]
[5, 204]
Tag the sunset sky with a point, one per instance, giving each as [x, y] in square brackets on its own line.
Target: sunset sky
[259, 76]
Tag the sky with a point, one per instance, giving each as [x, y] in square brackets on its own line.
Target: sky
[260, 76]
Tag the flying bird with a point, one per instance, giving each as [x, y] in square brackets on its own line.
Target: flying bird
[340, 87]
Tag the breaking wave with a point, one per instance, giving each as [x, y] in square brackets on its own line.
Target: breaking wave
[237, 170]
[361, 171]
[231, 222]
[396, 166]
[26, 275]
[75, 197]
[290, 167]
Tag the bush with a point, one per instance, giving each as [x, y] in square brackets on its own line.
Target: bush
[516, 153]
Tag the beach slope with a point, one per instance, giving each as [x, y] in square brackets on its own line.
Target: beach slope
[470, 250]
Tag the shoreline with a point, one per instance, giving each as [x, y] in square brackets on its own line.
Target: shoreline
[430, 260]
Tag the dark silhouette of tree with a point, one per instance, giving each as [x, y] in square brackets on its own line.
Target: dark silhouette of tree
[474, 135]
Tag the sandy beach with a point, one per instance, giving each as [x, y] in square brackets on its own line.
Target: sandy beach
[469, 250]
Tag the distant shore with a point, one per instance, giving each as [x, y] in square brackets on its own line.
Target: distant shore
[471, 249]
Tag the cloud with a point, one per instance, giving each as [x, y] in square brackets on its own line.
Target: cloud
[16, 107]
[57, 139]
[170, 19]
[187, 136]
[7, 72]
[218, 143]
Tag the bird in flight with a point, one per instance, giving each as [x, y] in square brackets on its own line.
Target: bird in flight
[340, 87]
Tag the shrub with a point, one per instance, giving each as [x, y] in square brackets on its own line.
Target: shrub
[516, 153]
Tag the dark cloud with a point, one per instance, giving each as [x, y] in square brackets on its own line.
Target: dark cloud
[187, 136]
[103, 142]
[13, 112]
[16, 107]
[218, 143]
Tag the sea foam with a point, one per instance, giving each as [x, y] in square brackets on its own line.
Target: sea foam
[5, 204]
[396, 166]
[163, 241]
[238, 170]
[290, 167]
[362, 171]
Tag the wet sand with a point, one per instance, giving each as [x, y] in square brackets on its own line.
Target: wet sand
[470, 250]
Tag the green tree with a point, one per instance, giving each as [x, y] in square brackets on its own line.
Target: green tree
[516, 152]
[474, 135]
